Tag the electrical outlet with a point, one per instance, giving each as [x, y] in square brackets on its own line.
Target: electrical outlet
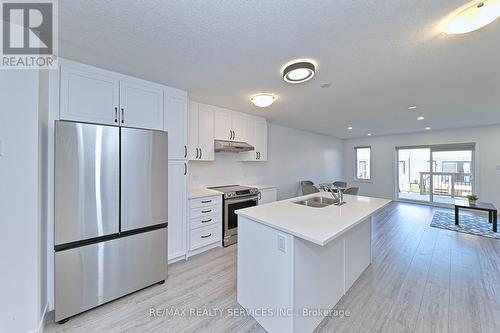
[282, 243]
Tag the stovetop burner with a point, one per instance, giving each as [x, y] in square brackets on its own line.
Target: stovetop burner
[235, 191]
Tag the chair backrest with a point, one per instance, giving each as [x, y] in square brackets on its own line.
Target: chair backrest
[340, 184]
[308, 187]
[352, 190]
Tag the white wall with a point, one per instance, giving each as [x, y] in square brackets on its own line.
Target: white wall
[20, 212]
[293, 155]
[487, 139]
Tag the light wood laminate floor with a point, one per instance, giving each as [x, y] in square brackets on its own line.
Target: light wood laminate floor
[422, 279]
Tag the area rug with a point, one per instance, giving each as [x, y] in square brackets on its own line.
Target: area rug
[468, 224]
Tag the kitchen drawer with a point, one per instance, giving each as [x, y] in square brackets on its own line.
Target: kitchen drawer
[205, 221]
[205, 202]
[205, 236]
[205, 211]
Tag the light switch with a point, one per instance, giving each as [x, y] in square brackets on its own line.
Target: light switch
[282, 243]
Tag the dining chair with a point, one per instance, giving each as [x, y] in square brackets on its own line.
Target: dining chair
[340, 184]
[352, 190]
[308, 187]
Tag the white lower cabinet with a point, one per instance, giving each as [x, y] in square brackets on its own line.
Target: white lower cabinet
[267, 195]
[205, 224]
[177, 209]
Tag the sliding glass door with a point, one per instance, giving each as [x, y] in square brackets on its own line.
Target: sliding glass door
[437, 174]
[414, 180]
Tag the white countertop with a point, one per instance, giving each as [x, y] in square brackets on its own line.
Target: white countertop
[202, 193]
[317, 225]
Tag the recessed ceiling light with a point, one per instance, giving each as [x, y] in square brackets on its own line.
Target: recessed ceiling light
[300, 71]
[263, 100]
[421, 118]
[369, 134]
[473, 17]
[413, 107]
[427, 128]
[349, 128]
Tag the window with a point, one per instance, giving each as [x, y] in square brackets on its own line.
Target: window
[363, 164]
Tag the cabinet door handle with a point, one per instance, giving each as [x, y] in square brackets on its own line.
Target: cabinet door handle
[206, 236]
[197, 153]
[234, 135]
[206, 201]
[260, 195]
[206, 211]
[116, 114]
[185, 151]
[256, 155]
[230, 135]
[123, 116]
[185, 169]
[201, 152]
[206, 221]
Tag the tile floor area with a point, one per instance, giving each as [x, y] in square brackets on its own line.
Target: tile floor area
[422, 279]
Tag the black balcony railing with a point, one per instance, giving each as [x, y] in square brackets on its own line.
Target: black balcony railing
[450, 184]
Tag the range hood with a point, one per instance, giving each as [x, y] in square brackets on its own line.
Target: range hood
[232, 146]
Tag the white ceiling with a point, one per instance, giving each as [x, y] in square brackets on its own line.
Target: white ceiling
[380, 58]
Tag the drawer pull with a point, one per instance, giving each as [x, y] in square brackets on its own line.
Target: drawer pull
[206, 211]
[206, 221]
[206, 236]
[206, 201]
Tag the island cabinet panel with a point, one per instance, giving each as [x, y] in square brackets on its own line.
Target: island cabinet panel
[358, 250]
[265, 284]
[318, 280]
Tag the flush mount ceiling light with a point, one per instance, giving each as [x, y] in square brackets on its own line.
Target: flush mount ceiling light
[263, 100]
[299, 71]
[413, 107]
[349, 128]
[473, 17]
[427, 128]
[420, 118]
[369, 134]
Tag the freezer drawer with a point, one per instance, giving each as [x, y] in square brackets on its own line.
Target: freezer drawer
[87, 164]
[144, 178]
[91, 275]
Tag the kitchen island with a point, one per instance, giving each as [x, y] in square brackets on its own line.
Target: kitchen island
[295, 261]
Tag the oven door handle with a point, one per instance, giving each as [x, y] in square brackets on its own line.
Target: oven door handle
[248, 198]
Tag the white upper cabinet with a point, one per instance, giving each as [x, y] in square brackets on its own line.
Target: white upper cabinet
[230, 125]
[176, 123]
[257, 137]
[239, 126]
[94, 95]
[141, 104]
[88, 95]
[200, 132]
[223, 130]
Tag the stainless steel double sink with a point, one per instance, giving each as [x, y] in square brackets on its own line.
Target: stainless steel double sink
[317, 202]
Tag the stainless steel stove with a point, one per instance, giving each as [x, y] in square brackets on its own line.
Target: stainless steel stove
[235, 197]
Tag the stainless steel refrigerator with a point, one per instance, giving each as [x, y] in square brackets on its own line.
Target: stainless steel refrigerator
[110, 213]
